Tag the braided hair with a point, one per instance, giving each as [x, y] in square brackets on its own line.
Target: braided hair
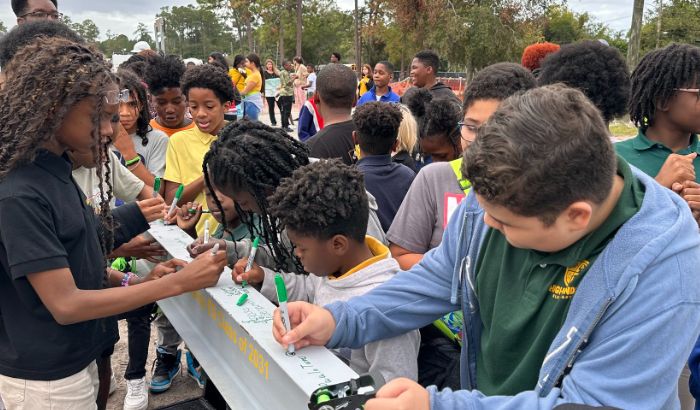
[253, 157]
[46, 79]
[129, 80]
[656, 78]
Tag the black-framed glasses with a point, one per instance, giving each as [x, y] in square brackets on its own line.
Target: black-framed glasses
[50, 15]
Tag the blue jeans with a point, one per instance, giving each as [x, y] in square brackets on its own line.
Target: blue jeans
[250, 111]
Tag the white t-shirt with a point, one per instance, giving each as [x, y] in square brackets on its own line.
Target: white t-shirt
[125, 185]
[153, 154]
[312, 83]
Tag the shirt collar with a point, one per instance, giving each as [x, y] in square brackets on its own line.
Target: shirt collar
[642, 143]
[378, 249]
[205, 137]
[58, 166]
[375, 160]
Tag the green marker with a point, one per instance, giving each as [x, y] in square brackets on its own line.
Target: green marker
[284, 312]
[251, 258]
[193, 211]
[156, 187]
[242, 299]
[178, 194]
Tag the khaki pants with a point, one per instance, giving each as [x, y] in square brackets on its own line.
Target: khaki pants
[78, 392]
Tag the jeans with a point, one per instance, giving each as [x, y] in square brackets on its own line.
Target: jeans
[250, 111]
[285, 103]
[271, 109]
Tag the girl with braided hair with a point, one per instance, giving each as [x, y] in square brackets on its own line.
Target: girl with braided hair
[247, 163]
[60, 96]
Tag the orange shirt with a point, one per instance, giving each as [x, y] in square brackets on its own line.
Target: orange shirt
[169, 131]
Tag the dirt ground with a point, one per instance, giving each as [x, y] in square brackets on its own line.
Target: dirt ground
[183, 387]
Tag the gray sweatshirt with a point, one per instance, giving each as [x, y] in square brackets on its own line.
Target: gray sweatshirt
[392, 358]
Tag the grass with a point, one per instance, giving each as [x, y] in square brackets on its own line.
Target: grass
[622, 129]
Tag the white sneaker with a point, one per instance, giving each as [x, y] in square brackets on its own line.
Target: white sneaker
[112, 384]
[136, 394]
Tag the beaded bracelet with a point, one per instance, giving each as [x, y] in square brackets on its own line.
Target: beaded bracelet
[126, 278]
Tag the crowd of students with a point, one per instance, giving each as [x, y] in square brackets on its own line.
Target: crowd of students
[498, 251]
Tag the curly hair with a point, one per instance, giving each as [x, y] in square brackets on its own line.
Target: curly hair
[25, 33]
[209, 77]
[429, 58]
[535, 53]
[127, 79]
[377, 126]
[253, 157]
[498, 82]
[599, 71]
[540, 152]
[164, 72]
[137, 63]
[437, 118]
[45, 80]
[656, 78]
[321, 200]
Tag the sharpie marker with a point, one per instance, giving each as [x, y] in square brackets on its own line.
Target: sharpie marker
[178, 194]
[251, 258]
[193, 211]
[284, 312]
[206, 231]
[215, 249]
[156, 187]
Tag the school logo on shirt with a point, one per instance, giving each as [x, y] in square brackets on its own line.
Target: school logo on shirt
[567, 291]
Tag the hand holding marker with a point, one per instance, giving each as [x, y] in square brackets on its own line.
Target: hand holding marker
[178, 194]
[251, 258]
[284, 312]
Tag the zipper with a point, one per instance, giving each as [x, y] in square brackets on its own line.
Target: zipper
[583, 340]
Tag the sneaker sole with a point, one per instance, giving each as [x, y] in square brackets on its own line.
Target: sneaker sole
[196, 380]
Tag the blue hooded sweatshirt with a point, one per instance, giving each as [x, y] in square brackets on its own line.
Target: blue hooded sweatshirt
[629, 329]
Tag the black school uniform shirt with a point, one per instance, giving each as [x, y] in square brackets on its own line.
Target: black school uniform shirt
[45, 224]
[333, 141]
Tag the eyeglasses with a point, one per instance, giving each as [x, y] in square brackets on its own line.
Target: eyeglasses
[117, 96]
[689, 90]
[51, 15]
[466, 131]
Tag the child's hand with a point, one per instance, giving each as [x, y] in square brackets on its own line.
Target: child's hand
[188, 216]
[141, 248]
[677, 168]
[198, 247]
[164, 268]
[311, 325]
[690, 192]
[255, 275]
[123, 143]
[152, 208]
[203, 272]
[400, 393]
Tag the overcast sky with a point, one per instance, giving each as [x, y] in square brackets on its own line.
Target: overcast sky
[122, 16]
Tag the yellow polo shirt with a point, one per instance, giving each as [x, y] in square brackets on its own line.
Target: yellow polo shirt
[183, 164]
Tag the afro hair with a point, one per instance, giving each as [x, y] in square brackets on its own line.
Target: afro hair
[24, 34]
[164, 72]
[321, 200]
[498, 82]
[599, 71]
[377, 125]
[535, 53]
[210, 77]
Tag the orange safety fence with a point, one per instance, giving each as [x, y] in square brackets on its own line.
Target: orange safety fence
[456, 84]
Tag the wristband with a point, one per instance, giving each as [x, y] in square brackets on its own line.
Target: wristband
[126, 278]
[133, 161]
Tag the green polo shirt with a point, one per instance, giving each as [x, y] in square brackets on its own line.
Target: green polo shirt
[524, 296]
[649, 156]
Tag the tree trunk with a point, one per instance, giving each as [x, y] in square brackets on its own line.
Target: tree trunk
[635, 34]
[299, 27]
[358, 46]
[658, 23]
[281, 42]
[249, 31]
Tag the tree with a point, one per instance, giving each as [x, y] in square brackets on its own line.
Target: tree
[3, 29]
[562, 26]
[143, 33]
[679, 23]
[635, 34]
[194, 31]
[299, 27]
[119, 44]
[87, 30]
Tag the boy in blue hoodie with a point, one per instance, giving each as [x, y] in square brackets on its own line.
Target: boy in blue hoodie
[576, 274]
